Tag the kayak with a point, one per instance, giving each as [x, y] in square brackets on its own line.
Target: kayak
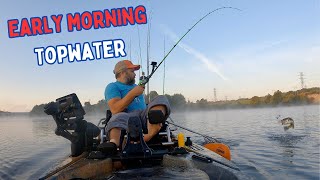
[164, 156]
[197, 163]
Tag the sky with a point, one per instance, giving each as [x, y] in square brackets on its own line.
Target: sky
[246, 53]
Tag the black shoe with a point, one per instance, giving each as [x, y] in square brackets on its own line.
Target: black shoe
[109, 148]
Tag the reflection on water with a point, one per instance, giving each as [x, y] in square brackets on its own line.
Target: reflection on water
[43, 126]
[259, 144]
[29, 147]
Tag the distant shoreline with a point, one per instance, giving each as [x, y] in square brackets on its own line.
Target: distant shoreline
[307, 96]
[177, 110]
[6, 113]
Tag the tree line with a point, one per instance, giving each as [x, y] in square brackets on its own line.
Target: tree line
[291, 98]
[4, 113]
[179, 102]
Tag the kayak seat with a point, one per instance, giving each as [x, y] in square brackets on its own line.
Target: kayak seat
[135, 145]
[104, 121]
[163, 138]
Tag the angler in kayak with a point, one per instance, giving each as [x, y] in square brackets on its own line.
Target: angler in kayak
[125, 99]
[165, 151]
[91, 159]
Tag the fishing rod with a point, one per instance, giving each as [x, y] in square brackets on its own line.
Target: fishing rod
[214, 145]
[203, 135]
[155, 67]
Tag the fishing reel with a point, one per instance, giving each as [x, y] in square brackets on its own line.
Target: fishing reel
[154, 65]
[68, 114]
[145, 79]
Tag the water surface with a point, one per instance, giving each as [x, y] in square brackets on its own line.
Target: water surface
[260, 146]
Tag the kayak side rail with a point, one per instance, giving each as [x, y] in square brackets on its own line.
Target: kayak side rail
[73, 161]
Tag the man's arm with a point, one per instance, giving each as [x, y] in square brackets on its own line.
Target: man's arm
[117, 104]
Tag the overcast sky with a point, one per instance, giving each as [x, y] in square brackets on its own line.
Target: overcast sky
[255, 51]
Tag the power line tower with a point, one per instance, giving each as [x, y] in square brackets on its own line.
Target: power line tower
[302, 80]
[215, 94]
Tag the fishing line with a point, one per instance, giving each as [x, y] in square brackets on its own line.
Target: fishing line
[146, 80]
[203, 135]
[140, 61]
[164, 65]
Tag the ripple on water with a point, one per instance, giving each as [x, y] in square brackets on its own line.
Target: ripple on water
[31, 166]
[259, 145]
[286, 140]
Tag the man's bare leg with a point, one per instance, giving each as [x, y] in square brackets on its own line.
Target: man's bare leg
[153, 129]
[114, 136]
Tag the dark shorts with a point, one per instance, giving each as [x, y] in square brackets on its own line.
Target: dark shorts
[120, 120]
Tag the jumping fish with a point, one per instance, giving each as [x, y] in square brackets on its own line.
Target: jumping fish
[287, 123]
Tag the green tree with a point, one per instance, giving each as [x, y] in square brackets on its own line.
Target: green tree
[38, 110]
[289, 98]
[88, 108]
[101, 106]
[267, 99]
[202, 103]
[255, 100]
[177, 101]
[152, 95]
[277, 97]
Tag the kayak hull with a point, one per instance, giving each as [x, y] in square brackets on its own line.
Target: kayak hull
[178, 166]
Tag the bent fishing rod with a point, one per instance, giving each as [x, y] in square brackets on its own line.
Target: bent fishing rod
[145, 80]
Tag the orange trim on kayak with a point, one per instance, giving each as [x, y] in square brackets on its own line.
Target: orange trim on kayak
[219, 148]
